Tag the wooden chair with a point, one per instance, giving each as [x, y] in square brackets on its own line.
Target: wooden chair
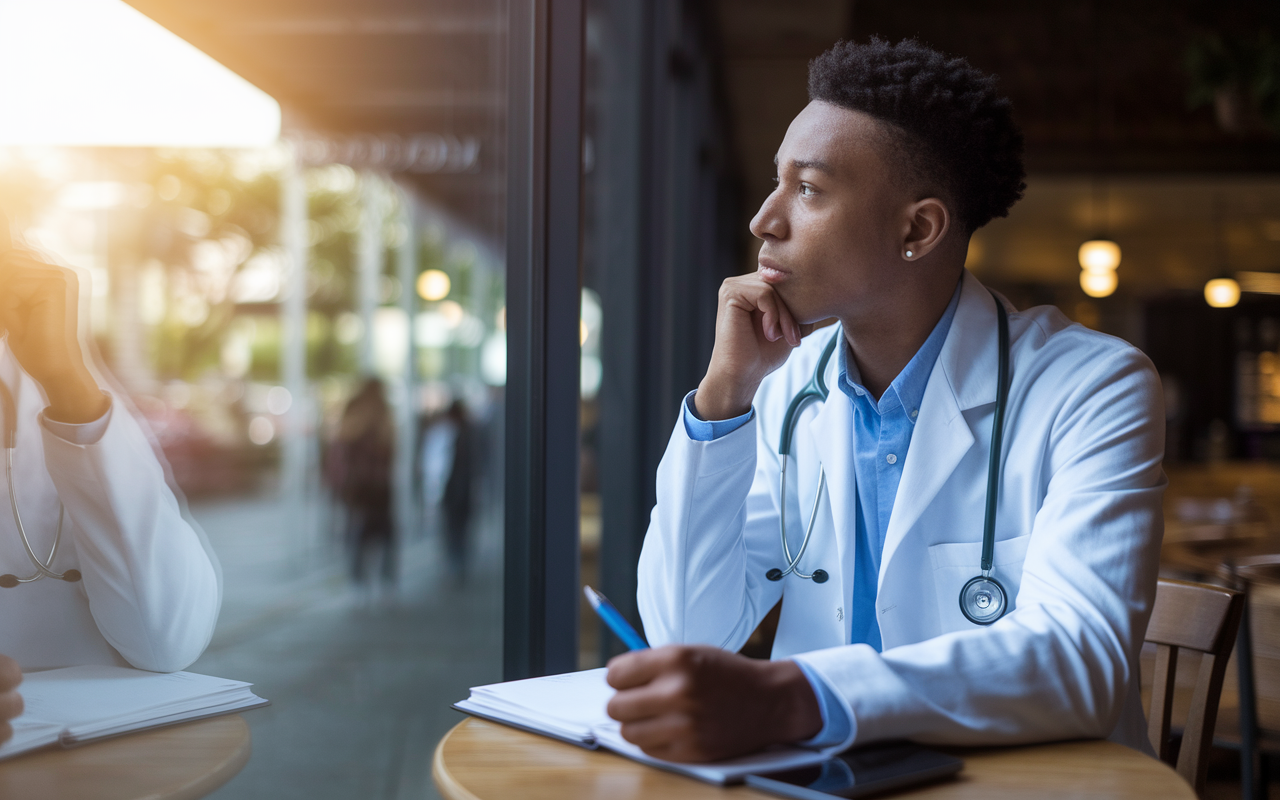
[1197, 617]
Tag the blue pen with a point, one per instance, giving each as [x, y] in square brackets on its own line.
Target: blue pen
[616, 622]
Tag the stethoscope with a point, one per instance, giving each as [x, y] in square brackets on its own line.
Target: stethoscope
[44, 569]
[982, 598]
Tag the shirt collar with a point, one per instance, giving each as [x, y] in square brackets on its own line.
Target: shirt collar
[907, 390]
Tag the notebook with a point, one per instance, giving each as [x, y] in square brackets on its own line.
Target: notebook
[571, 708]
[78, 705]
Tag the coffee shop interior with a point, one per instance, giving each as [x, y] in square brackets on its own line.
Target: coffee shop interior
[272, 201]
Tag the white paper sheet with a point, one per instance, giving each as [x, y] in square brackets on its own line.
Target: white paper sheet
[83, 703]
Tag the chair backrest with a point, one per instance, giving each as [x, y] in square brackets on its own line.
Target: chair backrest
[1190, 616]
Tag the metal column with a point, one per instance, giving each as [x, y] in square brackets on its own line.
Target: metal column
[293, 326]
[369, 255]
[540, 606]
[407, 408]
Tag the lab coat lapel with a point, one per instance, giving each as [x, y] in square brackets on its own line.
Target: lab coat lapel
[964, 377]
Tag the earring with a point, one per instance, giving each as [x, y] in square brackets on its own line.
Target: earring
[908, 254]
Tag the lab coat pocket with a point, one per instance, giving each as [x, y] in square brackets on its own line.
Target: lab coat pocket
[954, 563]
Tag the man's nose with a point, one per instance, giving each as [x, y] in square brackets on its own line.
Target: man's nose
[770, 221]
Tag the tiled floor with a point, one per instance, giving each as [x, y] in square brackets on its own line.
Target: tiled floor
[360, 692]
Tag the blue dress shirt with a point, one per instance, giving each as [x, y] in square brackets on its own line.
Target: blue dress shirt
[881, 436]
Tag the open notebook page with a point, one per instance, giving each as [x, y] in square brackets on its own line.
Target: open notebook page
[568, 705]
[29, 734]
[83, 697]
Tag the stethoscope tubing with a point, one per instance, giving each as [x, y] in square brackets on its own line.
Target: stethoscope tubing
[815, 389]
[44, 569]
[793, 563]
[997, 444]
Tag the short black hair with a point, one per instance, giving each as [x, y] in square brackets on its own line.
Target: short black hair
[954, 127]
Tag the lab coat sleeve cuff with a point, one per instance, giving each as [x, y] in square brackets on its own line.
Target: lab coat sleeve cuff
[701, 430]
[836, 705]
[82, 434]
[837, 723]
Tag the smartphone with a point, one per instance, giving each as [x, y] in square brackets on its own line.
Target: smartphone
[861, 773]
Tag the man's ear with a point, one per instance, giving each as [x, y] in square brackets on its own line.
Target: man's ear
[927, 222]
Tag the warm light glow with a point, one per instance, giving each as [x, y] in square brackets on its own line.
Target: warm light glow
[1099, 255]
[99, 73]
[1098, 284]
[453, 313]
[1259, 282]
[1222, 293]
[433, 285]
[582, 332]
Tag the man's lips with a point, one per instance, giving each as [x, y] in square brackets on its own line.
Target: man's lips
[771, 271]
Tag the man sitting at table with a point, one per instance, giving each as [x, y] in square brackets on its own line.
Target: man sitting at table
[138, 587]
[900, 156]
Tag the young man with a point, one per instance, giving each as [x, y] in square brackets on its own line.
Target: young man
[901, 154]
[138, 587]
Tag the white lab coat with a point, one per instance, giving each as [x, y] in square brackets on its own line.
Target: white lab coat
[150, 592]
[1078, 536]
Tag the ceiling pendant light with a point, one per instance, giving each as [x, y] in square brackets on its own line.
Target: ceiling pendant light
[1099, 255]
[1222, 292]
[1098, 284]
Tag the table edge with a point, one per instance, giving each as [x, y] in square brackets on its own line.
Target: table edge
[451, 789]
[445, 782]
[224, 772]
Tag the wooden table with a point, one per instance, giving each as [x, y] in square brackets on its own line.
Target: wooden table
[175, 763]
[480, 760]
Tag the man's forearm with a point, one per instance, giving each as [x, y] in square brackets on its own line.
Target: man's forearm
[75, 397]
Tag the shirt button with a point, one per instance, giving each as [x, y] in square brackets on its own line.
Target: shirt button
[915, 412]
[891, 458]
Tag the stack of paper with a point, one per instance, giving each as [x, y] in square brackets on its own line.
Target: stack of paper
[82, 704]
[571, 707]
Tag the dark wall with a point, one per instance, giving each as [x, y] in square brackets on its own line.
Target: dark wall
[1196, 348]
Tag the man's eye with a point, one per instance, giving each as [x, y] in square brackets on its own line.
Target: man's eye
[807, 190]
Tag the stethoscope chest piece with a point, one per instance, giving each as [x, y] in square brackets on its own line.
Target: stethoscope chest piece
[982, 600]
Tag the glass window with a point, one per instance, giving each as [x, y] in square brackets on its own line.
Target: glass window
[314, 330]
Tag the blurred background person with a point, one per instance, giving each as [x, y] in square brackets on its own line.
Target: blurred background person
[456, 503]
[447, 470]
[359, 472]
